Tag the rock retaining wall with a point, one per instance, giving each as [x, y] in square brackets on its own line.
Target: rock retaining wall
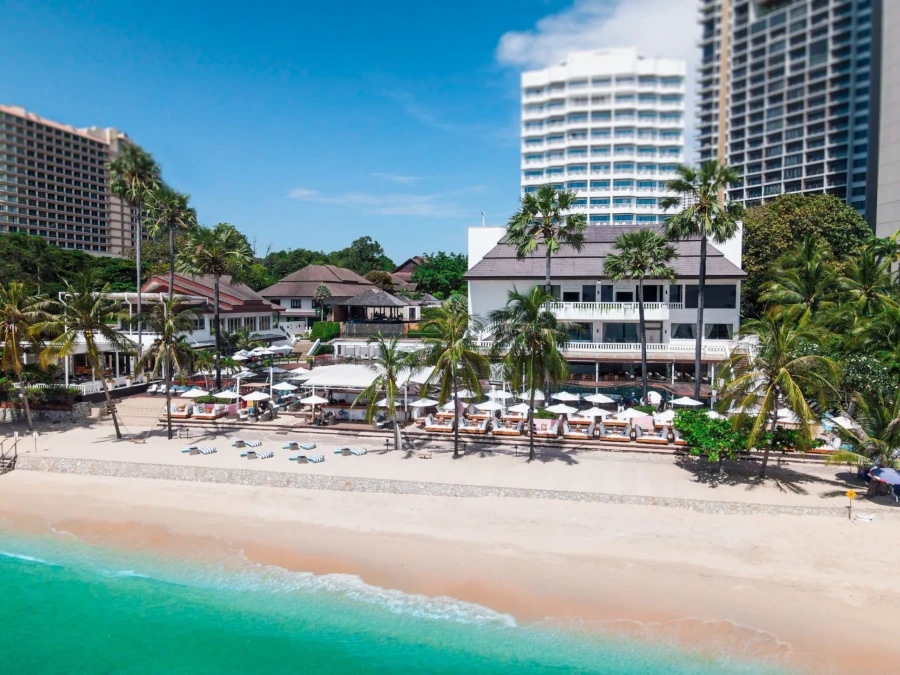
[79, 411]
[309, 481]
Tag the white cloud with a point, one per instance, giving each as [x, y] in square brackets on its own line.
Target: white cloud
[663, 28]
[435, 205]
[397, 178]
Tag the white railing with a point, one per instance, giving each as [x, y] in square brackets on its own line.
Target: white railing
[671, 349]
[88, 387]
[611, 311]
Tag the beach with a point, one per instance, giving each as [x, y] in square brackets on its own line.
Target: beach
[800, 592]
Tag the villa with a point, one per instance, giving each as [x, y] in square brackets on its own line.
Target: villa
[604, 342]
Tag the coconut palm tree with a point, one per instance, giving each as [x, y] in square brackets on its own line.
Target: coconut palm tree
[705, 216]
[20, 312]
[168, 213]
[170, 351]
[642, 254]
[877, 439]
[451, 350]
[217, 251]
[242, 339]
[205, 361]
[528, 342]
[392, 366]
[320, 295]
[769, 375]
[867, 287]
[85, 312]
[805, 276]
[542, 221]
[132, 175]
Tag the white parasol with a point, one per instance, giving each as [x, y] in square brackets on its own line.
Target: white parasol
[561, 409]
[196, 392]
[599, 398]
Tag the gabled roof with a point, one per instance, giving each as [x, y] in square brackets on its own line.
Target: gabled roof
[342, 283]
[409, 266]
[375, 297]
[501, 262]
[233, 296]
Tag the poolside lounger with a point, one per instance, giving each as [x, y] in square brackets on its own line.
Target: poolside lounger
[258, 454]
[578, 434]
[239, 443]
[617, 436]
[480, 429]
[308, 446]
[660, 438]
[315, 459]
[342, 451]
[359, 452]
[545, 430]
[199, 450]
[151, 389]
[508, 429]
[213, 413]
[290, 445]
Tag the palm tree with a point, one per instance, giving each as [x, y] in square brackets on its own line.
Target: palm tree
[170, 351]
[242, 339]
[320, 295]
[205, 361]
[704, 216]
[770, 375]
[86, 312]
[806, 276]
[393, 366]
[217, 251]
[451, 350]
[20, 312]
[168, 212]
[528, 341]
[867, 287]
[541, 221]
[877, 439]
[642, 254]
[132, 175]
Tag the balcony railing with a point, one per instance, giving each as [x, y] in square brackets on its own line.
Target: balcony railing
[612, 311]
[633, 349]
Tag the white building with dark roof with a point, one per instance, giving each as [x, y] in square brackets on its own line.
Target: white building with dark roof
[605, 340]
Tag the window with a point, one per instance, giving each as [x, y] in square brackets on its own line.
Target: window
[200, 323]
[717, 331]
[674, 293]
[589, 293]
[652, 293]
[715, 296]
[620, 332]
[296, 303]
[684, 331]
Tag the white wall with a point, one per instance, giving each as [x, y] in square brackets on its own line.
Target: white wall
[732, 248]
[481, 241]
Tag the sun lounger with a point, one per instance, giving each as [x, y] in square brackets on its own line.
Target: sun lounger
[660, 438]
[578, 433]
[342, 451]
[315, 459]
[507, 428]
[152, 390]
[615, 435]
[180, 411]
[359, 452]
[258, 454]
[210, 412]
[199, 450]
[307, 446]
[290, 445]
[480, 428]
[679, 440]
[547, 430]
[239, 443]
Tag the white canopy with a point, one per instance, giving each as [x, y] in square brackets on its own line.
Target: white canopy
[565, 396]
[281, 349]
[653, 397]
[278, 371]
[423, 403]
[685, 400]
[245, 374]
[465, 393]
[526, 396]
[196, 392]
[594, 412]
[256, 396]
[520, 408]
[239, 357]
[300, 374]
[630, 414]
[499, 394]
[666, 416]
[561, 409]
[356, 376]
[285, 386]
[313, 400]
[228, 394]
[599, 398]
[489, 406]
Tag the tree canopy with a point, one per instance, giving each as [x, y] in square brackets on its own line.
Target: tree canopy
[441, 274]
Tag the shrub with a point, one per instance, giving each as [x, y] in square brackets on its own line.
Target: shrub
[325, 330]
[541, 414]
[325, 350]
[704, 435]
[649, 409]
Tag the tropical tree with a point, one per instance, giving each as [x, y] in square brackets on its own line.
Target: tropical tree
[20, 312]
[320, 296]
[450, 348]
[642, 254]
[168, 213]
[867, 286]
[132, 175]
[528, 342]
[542, 221]
[205, 361]
[85, 313]
[770, 374]
[877, 438]
[242, 339]
[217, 251]
[806, 276]
[704, 216]
[170, 351]
[393, 366]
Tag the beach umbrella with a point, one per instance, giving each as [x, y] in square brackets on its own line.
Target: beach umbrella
[521, 408]
[256, 396]
[594, 412]
[565, 396]
[489, 406]
[526, 396]
[886, 475]
[630, 414]
[301, 374]
[278, 371]
[313, 400]
[685, 400]
[499, 394]
[239, 357]
[285, 386]
[196, 392]
[423, 403]
[561, 409]
[712, 414]
[245, 374]
[465, 393]
[228, 394]
[599, 398]
[666, 416]
[383, 403]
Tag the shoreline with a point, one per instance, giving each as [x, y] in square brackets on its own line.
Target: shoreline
[701, 581]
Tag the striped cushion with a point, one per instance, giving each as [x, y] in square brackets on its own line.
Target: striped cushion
[308, 446]
[207, 450]
[358, 451]
[253, 444]
[264, 454]
[315, 459]
[290, 445]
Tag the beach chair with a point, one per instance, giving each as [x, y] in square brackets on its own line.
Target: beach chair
[480, 428]
[180, 411]
[243, 415]
[507, 428]
[679, 440]
[578, 434]
[617, 435]
[307, 446]
[199, 450]
[240, 443]
[258, 454]
[545, 430]
[290, 445]
[342, 451]
[152, 390]
[359, 452]
[659, 438]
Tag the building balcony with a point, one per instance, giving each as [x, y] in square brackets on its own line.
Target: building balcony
[713, 350]
[612, 311]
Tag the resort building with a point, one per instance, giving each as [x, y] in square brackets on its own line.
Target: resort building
[792, 94]
[604, 340]
[402, 274]
[608, 125]
[54, 184]
[296, 293]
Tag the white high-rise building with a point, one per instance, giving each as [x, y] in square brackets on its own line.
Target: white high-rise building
[607, 124]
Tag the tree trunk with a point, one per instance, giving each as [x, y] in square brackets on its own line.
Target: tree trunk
[455, 411]
[168, 380]
[398, 442]
[641, 327]
[531, 384]
[25, 403]
[547, 285]
[762, 469]
[95, 358]
[217, 322]
[700, 294]
[171, 262]
[137, 263]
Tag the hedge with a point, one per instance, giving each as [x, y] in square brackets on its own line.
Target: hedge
[325, 330]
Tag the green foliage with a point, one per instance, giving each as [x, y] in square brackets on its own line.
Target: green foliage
[541, 414]
[704, 435]
[58, 395]
[208, 399]
[363, 256]
[649, 409]
[441, 274]
[381, 279]
[325, 330]
[774, 228]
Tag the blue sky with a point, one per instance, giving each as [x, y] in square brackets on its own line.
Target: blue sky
[311, 124]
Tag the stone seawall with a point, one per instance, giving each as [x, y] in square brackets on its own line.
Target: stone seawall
[255, 477]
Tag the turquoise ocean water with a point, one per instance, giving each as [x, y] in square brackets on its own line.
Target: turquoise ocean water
[70, 608]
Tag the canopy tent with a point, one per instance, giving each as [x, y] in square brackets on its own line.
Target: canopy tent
[565, 396]
[196, 392]
[561, 409]
[599, 398]
[685, 400]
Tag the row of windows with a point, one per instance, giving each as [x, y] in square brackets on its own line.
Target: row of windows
[604, 185]
[617, 167]
[620, 80]
[605, 151]
[254, 323]
[619, 98]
